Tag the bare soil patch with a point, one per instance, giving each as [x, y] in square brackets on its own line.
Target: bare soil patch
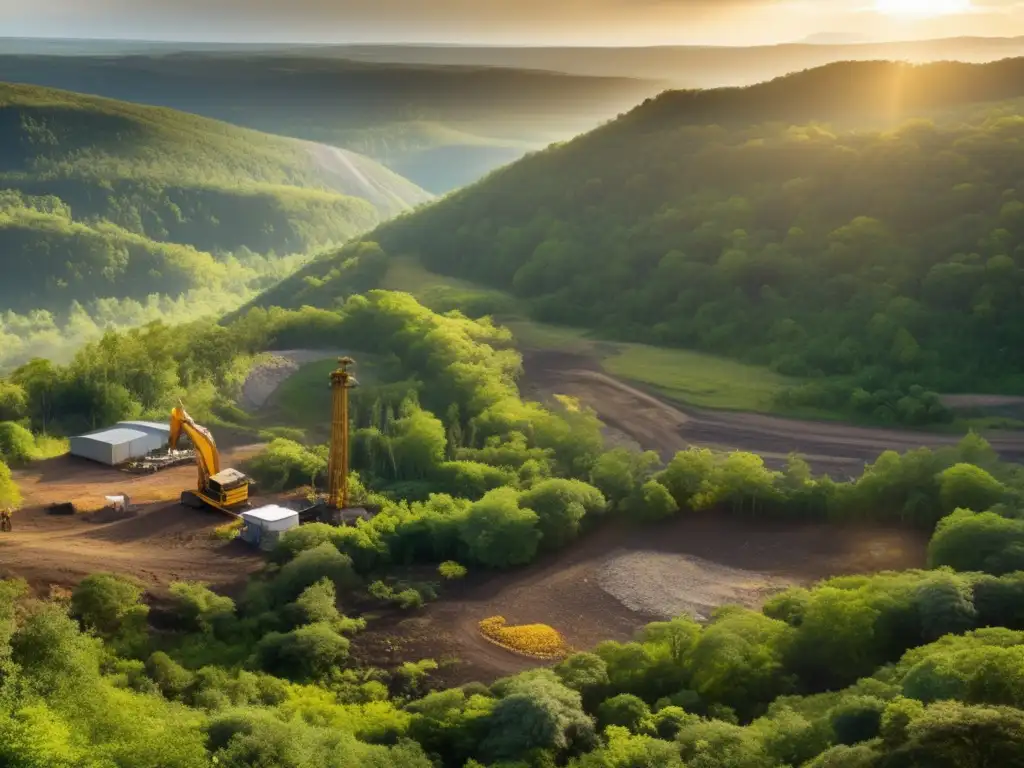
[159, 542]
[619, 578]
[87, 484]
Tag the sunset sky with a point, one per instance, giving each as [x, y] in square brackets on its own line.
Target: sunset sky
[569, 22]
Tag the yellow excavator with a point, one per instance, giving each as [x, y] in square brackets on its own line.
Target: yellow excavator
[224, 489]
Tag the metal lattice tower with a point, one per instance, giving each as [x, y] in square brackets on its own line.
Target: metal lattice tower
[341, 382]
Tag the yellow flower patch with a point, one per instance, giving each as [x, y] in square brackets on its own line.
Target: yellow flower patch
[537, 640]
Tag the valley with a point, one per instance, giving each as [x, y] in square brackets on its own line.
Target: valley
[686, 438]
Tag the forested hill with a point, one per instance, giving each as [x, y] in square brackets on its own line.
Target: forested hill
[107, 200]
[857, 91]
[889, 258]
[442, 127]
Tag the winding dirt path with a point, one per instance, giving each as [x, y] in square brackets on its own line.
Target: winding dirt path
[839, 449]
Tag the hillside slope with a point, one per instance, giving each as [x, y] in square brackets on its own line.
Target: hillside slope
[103, 199]
[443, 127]
[879, 260]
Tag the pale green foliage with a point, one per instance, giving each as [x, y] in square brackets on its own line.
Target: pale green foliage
[17, 444]
[967, 486]
[285, 464]
[200, 608]
[451, 570]
[499, 532]
[560, 506]
[985, 541]
[10, 494]
[111, 606]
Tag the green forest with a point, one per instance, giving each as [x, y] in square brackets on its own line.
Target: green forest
[921, 668]
[103, 201]
[881, 263]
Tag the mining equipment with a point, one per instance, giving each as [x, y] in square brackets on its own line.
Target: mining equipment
[226, 490]
[335, 507]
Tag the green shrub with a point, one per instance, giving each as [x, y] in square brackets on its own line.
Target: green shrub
[452, 570]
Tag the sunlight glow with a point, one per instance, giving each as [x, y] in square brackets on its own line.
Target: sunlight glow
[922, 7]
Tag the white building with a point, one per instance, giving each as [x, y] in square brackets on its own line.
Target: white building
[263, 527]
[121, 443]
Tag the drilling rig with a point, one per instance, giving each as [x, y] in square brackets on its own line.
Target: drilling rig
[335, 507]
[341, 382]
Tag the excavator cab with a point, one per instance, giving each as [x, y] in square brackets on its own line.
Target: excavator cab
[223, 489]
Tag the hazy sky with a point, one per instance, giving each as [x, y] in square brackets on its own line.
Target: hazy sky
[576, 22]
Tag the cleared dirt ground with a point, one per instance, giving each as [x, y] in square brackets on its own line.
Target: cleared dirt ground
[841, 450]
[619, 578]
[164, 542]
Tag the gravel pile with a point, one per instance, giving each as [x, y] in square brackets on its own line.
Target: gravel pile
[667, 585]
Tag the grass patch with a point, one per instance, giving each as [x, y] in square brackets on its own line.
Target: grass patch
[228, 531]
[443, 294]
[698, 379]
[303, 401]
[540, 336]
[535, 640]
[50, 447]
[301, 405]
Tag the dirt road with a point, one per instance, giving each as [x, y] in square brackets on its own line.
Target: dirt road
[841, 450]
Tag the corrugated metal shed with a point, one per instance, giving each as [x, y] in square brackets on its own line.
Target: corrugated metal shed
[114, 446]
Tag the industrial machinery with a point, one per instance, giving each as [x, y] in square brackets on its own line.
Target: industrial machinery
[334, 508]
[341, 382]
[224, 489]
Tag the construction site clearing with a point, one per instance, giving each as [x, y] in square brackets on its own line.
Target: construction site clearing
[155, 539]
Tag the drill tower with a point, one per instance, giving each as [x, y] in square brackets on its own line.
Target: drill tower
[341, 382]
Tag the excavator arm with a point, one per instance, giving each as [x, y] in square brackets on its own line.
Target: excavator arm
[207, 455]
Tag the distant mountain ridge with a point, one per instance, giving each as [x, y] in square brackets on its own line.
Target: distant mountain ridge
[440, 126]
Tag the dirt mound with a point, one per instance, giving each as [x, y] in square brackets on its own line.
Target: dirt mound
[271, 372]
[666, 585]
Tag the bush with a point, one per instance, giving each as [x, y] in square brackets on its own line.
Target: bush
[315, 652]
[201, 609]
[110, 605]
[285, 464]
[498, 532]
[626, 711]
[857, 719]
[452, 570]
[969, 487]
[970, 541]
[309, 567]
[17, 444]
[10, 495]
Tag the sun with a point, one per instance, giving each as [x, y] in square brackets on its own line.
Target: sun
[922, 7]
